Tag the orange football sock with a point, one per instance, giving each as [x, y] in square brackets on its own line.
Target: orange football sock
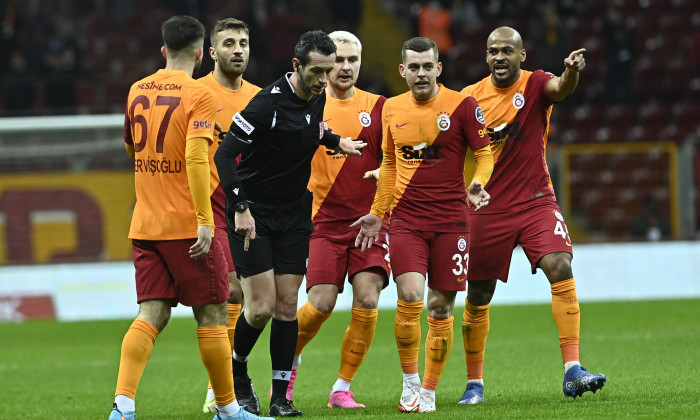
[438, 345]
[475, 329]
[567, 316]
[407, 332]
[310, 321]
[358, 338]
[234, 311]
[136, 350]
[216, 356]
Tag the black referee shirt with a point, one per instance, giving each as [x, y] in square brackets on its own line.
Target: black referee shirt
[277, 135]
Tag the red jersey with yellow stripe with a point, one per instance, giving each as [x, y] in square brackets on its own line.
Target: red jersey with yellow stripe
[425, 144]
[340, 193]
[163, 111]
[228, 103]
[517, 121]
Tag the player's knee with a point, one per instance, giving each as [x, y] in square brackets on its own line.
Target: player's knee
[260, 313]
[235, 291]
[286, 307]
[408, 293]
[235, 299]
[443, 311]
[324, 304]
[211, 314]
[235, 296]
[160, 322]
[155, 312]
[259, 318]
[366, 301]
[558, 267]
[480, 293]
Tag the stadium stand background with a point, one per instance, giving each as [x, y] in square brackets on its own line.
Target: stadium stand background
[621, 149]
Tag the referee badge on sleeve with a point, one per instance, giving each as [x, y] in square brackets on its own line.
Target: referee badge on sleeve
[243, 124]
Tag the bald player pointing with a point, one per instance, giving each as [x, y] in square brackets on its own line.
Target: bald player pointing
[517, 105]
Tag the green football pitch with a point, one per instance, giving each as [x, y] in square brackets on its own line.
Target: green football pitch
[650, 352]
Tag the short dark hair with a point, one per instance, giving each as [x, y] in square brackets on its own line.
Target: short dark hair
[180, 32]
[419, 44]
[225, 24]
[310, 41]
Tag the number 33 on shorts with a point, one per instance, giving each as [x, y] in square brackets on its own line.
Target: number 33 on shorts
[461, 259]
[560, 228]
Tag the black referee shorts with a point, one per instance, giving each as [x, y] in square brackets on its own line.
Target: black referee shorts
[282, 233]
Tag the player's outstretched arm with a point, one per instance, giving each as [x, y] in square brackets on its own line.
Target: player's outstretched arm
[560, 87]
[478, 196]
[351, 147]
[370, 226]
[343, 144]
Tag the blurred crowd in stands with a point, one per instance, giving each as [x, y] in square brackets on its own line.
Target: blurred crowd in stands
[80, 56]
[641, 82]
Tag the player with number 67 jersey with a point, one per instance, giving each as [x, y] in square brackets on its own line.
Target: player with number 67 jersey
[168, 130]
[165, 112]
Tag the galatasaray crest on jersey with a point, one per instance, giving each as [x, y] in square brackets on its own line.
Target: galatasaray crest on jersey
[518, 100]
[443, 122]
[365, 119]
[462, 244]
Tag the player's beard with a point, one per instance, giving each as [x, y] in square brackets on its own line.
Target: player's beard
[342, 85]
[229, 68]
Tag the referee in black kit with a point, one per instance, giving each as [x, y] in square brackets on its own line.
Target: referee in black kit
[269, 208]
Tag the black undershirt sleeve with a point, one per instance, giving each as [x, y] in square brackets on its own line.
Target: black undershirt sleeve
[330, 140]
[225, 160]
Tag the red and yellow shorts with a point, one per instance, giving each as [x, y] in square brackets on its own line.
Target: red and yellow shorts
[332, 255]
[540, 230]
[221, 235]
[164, 270]
[444, 256]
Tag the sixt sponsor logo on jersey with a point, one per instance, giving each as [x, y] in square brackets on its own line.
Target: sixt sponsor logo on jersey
[337, 154]
[158, 86]
[154, 166]
[504, 131]
[420, 152]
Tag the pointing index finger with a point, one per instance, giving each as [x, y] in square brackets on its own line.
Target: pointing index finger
[577, 52]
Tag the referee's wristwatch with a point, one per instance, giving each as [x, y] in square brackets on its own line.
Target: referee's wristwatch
[241, 206]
